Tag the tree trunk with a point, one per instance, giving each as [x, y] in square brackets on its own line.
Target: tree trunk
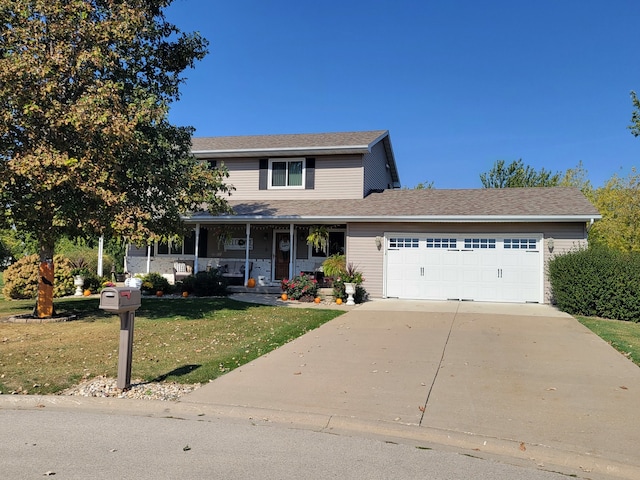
[44, 306]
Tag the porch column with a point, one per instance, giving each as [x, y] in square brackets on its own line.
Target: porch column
[100, 254]
[148, 258]
[246, 253]
[195, 260]
[292, 250]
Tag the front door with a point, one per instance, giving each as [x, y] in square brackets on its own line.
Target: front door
[283, 254]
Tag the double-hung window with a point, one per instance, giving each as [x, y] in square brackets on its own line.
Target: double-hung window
[286, 173]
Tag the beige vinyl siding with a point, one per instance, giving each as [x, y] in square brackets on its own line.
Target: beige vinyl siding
[336, 176]
[376, 174]
[363, 253]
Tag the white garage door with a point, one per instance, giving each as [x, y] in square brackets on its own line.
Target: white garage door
[494, 268]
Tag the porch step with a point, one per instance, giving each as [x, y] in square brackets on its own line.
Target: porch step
[325, 293]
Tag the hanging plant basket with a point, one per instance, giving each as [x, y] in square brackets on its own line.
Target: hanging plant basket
[318, 237]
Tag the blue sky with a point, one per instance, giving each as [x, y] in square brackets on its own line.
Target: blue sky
[458, 83]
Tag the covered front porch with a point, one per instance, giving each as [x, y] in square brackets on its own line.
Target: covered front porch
[265, 252]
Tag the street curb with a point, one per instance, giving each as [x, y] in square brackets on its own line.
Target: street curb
[512, 451]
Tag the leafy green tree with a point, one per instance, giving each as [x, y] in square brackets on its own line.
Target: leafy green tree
[86, 148]
[635, 115]
[517, 174]
[15, 245]
[578, 177]
[425, 185]
[619, 204]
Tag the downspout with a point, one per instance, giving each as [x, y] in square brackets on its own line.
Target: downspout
[246, 253]
[197, 249]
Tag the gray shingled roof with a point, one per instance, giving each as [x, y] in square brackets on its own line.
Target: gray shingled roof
[562, 203]
[360, 141]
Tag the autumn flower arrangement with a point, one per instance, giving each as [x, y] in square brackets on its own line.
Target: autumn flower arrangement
[302, 287]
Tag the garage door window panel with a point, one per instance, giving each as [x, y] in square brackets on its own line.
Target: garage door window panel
[520, 244]
[441, 243]
[479, 243]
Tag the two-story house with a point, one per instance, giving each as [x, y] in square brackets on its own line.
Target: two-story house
[482, 244]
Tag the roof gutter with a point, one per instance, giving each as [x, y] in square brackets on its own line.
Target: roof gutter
[396, 219]
[265, 151]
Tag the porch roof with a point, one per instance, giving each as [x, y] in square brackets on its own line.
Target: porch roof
[552, 204]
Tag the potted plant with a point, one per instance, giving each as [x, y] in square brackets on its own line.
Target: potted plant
[334, 266]
[79, 271]
[349, 280]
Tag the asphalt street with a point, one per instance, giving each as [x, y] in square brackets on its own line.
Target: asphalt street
[80, 445]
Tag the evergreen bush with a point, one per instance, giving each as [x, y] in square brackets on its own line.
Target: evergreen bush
[154, 282]
[597, 282]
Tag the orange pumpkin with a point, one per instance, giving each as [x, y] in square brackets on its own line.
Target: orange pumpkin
[339, 301]
[87, 292]
[185, 294]
[251, 282]
[316, 300]
[159, 293]
[284, 297]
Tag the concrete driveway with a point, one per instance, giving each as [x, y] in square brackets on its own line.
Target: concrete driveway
[522, 382]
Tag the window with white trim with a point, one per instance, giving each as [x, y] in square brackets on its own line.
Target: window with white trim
[287, 173]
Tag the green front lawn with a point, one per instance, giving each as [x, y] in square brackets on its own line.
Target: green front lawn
[187, 340]
[623, 336]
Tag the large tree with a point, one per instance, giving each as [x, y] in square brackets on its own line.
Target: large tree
[618, 201]
[86, 147]
[517, 174]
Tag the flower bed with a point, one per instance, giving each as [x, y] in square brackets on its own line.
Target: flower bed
[303, 288]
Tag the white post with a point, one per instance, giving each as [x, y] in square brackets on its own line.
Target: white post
[246, 253]
[100, 250]
[148, 258]
[292, 250]
[197, 250]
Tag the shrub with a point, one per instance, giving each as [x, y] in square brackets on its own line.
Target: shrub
[21, 278]
[597, 282]
[154, 282]
[303, 287]
[205, 284]
[93, 282]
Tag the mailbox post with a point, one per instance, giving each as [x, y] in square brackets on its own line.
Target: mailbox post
[124, 301]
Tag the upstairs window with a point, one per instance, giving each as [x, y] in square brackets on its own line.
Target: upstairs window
[286, 173]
